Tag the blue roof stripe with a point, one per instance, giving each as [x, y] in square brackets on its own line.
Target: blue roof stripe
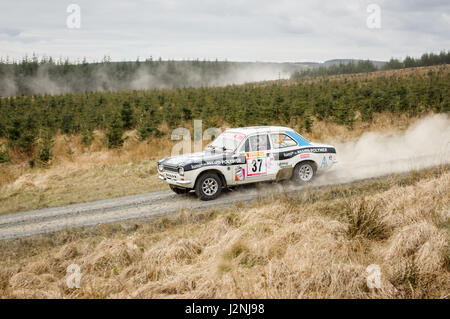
[299, 139]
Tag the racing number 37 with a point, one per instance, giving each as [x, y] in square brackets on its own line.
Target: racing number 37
[256, 163]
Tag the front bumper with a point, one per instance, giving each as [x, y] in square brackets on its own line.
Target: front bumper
[175, 180]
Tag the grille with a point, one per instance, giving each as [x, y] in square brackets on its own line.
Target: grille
[170, 168]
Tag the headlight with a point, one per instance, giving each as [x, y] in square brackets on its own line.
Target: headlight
[181, 171]
[160, 167]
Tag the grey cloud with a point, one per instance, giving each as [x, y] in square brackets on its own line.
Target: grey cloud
[234, 30]
[10, 32]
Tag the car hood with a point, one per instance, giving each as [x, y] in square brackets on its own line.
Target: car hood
[190, 158]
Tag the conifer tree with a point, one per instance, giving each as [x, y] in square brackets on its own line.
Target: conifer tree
[127, 115]
[115, 132]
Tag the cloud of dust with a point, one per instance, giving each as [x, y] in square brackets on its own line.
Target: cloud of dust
[424, 144]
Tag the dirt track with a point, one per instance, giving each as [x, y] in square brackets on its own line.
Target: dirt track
[117, 209]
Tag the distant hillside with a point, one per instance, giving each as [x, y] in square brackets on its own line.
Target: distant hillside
[309, 65]
[352, 66]
[378, 64]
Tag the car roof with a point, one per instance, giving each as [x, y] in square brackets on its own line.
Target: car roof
[259, 129]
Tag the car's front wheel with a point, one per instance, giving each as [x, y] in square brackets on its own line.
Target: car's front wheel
[208, 186]
[179, 190]
[304, 172]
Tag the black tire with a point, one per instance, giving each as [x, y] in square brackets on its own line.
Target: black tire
[304, 172]
[179, 190]
[208, 186]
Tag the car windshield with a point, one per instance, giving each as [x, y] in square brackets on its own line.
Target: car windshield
[227, 141]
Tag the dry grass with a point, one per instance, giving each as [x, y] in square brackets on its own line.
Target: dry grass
[71, 184]
[382, 122]
[400, 73]
[78, 173]
[313, 244]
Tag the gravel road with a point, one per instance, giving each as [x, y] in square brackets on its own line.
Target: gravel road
[133, 207]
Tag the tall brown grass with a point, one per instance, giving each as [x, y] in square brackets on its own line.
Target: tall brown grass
[316, 244]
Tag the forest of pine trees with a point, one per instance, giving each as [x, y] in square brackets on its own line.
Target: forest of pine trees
[28, 121]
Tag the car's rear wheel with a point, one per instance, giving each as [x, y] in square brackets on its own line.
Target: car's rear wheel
[304, 172]
[179, 190]
[208, 186]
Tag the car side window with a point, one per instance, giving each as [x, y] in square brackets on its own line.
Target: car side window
[257, 143]
[280, 140]
[244, 148]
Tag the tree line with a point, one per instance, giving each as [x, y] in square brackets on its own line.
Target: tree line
[28, 123]
[33, 75]
[364, 66]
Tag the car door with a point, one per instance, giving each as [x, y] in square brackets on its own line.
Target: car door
[256, 149]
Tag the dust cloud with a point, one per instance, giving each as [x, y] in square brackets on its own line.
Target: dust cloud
[424, 144]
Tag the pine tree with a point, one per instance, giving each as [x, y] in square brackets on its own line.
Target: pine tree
[21, 133]
[308, 122]
[146, 127]
[115, 132]
[127, 115]
[45, 146]
[87, 137]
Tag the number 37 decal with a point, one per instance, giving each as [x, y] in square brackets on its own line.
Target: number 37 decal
[256, 163]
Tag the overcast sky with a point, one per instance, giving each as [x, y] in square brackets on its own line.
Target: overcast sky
[255, 30]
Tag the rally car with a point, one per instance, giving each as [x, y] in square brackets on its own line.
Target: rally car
[246, 155]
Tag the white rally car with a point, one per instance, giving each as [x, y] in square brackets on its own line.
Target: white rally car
[246, 155]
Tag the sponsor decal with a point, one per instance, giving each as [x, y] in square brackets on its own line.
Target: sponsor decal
[255, 154]
[290, 154]
[171, 176]
[239, 174]
[324, 163]
[216, 162]
[315, 150]
[303, 156]
[284, 164]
